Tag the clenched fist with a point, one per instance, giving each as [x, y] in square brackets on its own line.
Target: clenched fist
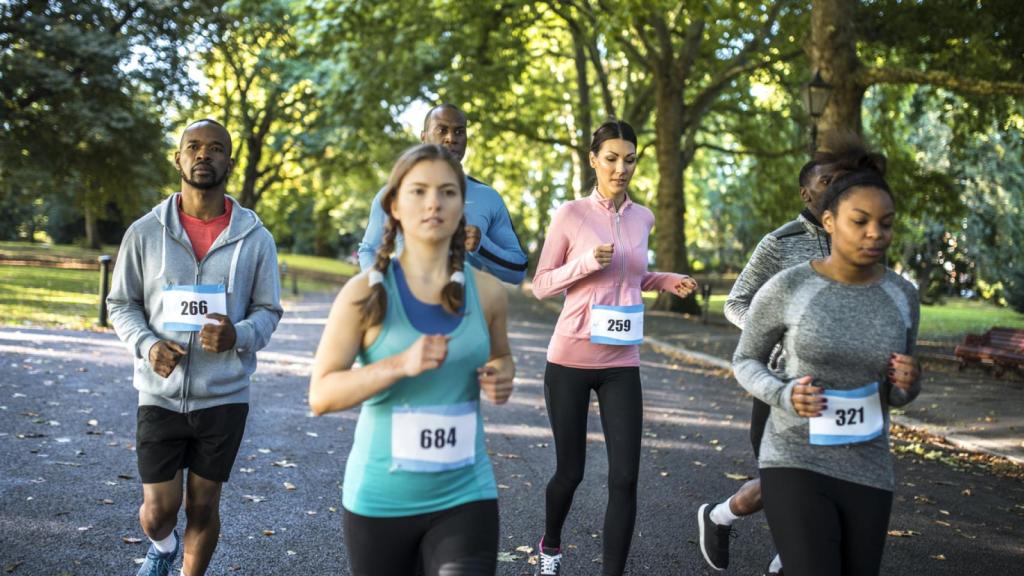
[427, 353]
[218, 337]
[164, 357]
[604, 253]
[472, 238]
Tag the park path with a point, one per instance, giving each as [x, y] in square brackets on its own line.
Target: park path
[69, 485]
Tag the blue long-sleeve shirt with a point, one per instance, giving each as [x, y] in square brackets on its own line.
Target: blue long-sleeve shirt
[499, 252]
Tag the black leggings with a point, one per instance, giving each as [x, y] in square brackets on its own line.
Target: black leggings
[567, 394]
[824, 526]
[460, 541]
[758, 420]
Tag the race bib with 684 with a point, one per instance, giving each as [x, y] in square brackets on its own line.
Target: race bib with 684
[433, 438]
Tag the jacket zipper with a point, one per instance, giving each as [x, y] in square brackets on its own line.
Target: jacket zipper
[622, 260]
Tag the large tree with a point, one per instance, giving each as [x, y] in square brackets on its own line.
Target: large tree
[972, 48]
[85, 87]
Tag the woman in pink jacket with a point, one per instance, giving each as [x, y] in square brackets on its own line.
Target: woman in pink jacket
[596, 253]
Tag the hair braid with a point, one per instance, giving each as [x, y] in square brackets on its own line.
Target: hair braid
[375, 306]
[453, 294]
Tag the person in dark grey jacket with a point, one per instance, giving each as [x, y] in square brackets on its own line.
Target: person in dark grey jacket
[195, 294]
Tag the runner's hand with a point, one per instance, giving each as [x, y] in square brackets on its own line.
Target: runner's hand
[685, 286]
[164, 356]
[218, 337]
[496, 378]
[807, 399]
[427, 353]
[472, 238]
[903, 371]
[603, 253]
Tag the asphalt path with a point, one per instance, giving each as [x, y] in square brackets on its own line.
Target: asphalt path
[70, 491]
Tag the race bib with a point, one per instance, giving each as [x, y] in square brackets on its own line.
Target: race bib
[852, 416]
[433, 438]
[186, 307]
[617, 325]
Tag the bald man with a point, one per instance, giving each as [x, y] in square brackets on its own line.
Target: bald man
[195, 295]
[491, 242]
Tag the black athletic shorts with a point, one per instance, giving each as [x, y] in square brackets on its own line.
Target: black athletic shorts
[204, 441]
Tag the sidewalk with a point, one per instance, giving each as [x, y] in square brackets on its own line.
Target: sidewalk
[972, 409]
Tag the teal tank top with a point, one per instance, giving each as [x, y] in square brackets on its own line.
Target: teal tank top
[427, 466]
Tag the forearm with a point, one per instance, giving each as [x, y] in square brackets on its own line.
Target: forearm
[508, 264]
[549, 281]
[342, 389]
[755, 377]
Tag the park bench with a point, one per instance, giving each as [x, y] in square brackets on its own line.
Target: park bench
[1000, 348]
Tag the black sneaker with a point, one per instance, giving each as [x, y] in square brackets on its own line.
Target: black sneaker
[714, 539]
[768, 570]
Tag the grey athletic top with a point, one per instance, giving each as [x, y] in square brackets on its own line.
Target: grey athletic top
[795, 242]
[842, 335]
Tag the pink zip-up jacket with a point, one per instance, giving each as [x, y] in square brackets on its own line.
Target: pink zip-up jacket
[567, 264]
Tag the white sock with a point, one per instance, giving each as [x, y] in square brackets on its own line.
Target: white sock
[722, 514]
[776, 565]
[167, 545]
[182, 573]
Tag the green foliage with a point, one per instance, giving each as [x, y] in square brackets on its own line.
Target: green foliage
[85, 84]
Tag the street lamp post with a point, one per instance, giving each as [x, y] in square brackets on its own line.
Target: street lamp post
[816, 95]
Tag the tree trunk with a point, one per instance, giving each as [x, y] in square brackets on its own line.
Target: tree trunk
[254, 151]
[583, 123]
[670, 217]
[92, 229]
[833, 51]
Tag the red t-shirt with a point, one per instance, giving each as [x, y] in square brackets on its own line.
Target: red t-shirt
[202, 233]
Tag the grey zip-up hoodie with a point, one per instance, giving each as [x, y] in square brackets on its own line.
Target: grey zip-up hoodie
[155, 253]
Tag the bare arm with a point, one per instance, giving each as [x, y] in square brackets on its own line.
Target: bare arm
[496, 376]
[334, 385]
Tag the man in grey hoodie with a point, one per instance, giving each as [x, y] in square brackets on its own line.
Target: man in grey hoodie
[195, 294]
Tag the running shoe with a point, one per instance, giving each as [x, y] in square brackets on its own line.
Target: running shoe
[714, 539]
[549, 560]
[158, 563]
[768, 570]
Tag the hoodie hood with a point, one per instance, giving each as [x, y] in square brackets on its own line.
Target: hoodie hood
[243, 222]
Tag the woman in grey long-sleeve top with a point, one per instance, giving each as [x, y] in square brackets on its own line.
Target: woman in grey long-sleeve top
[848, 327]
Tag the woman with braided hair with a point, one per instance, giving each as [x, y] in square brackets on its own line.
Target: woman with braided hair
[430, 334]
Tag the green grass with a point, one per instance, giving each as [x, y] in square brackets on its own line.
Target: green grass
[16, 249]
[56, 297]
[318, 264]
[954, 318]
[49, 297]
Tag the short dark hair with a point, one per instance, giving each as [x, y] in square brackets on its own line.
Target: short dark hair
[841, 187]
[805, 172]
[439, 107]
[612, 130]
[205, 121]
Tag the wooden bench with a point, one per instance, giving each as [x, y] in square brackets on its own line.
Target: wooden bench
[1000, 348]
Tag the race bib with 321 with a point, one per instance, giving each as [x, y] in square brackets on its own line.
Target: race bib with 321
[186, 306]
[433, 438]
[852, 416]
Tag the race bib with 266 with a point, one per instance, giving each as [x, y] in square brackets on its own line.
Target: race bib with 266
[186, 306]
